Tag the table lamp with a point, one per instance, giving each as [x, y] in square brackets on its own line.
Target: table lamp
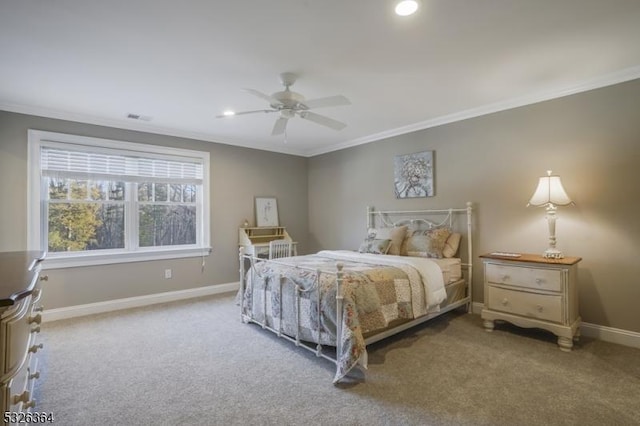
[551, 194]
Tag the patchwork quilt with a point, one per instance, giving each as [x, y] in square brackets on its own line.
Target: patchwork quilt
[377, 289]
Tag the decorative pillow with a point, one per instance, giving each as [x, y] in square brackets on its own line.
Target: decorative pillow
[396, 235]
[451, 245]
[429, 243]
[374, 246]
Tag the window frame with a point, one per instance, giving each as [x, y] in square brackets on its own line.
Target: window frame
[36, 204]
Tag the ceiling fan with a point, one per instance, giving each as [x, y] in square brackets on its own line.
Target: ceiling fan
[289, 104]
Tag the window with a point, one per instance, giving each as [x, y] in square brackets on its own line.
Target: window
[103, 201]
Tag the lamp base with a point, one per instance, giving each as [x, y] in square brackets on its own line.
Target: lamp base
[552, 253]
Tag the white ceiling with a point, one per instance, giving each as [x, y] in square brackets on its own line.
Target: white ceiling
[183, 63]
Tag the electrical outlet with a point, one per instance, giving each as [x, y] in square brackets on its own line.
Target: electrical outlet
[167, 274]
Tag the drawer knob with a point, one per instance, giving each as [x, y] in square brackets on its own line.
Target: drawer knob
[505, 277]
[38, 308]
[23, 397]
[36, 329]
[539, 280]
[35, 375]
[539, 308]
[36, 293]
[505, 301]
[44, 278]
[37, 319]
[29, 404]
[35, 348]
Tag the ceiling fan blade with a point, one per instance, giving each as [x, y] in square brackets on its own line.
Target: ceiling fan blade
[280, 126]
[245, 112]
[322, 120]
[268, 98]
[329, 101]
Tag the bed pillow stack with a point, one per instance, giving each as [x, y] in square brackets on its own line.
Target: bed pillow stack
[404, 241]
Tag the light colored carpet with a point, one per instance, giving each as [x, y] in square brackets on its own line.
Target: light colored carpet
[195, 363]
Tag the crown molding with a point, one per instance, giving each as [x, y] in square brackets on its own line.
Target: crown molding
[621, 76]
[617, 77]
[135, 126]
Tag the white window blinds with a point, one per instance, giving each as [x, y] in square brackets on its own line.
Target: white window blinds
[106, 164]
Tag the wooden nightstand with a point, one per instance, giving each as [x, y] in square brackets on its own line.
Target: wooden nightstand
[532, 291]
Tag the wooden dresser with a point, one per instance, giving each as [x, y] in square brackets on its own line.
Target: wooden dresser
[20, 317]
[532, 291]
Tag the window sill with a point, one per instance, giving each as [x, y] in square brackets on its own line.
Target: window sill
[93, 259]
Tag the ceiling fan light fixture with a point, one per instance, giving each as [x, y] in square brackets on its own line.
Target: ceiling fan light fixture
[289, 104]
[406, 7]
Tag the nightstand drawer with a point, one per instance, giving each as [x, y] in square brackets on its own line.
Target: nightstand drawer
[522, 276]
[541, 306]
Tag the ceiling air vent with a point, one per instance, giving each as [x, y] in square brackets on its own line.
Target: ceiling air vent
[138, 117]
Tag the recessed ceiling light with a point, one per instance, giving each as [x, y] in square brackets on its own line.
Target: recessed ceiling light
[406, 7]
[228, 113]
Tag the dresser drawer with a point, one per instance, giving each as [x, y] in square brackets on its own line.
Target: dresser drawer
[18, 336]
[15, 392]
[541, 306]
[526, 277]
[20, 318]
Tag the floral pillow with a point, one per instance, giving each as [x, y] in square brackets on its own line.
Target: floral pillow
[395, 234]
[429, 243]
[374, 246]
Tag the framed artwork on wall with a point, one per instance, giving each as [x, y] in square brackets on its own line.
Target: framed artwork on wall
[413, 175]
[266, 211]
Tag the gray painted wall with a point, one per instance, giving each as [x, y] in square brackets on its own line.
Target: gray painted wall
[237, 175]
[592, 140]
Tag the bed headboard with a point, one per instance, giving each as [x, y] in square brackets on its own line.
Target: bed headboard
[451, 217]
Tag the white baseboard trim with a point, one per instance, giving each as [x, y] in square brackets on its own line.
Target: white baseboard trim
[610, 334]
[601, 332]
[595, 331]
[50, 315]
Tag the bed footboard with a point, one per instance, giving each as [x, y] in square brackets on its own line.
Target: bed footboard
[249, 316]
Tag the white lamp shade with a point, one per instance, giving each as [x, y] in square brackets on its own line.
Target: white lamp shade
[550, 191]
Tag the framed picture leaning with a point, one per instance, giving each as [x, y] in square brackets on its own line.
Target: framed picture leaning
[266, 211]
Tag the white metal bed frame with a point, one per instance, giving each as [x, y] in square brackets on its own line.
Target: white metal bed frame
[371, 216]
